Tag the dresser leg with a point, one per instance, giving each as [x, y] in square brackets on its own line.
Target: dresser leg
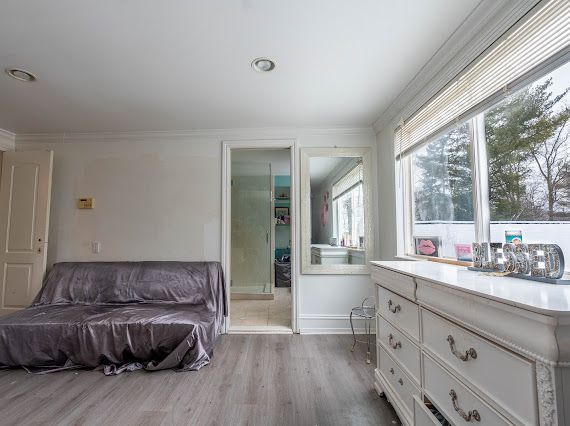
[378, 388]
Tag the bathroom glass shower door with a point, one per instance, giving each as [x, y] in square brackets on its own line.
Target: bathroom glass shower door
[251, 227]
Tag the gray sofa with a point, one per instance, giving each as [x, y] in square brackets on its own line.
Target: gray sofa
[119, 315]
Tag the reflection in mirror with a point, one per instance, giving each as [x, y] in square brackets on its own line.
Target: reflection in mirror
[337, 211]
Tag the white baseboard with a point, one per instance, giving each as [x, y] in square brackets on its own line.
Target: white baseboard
[311, 324]
[259, 329]
[308, 330]
[331, 324]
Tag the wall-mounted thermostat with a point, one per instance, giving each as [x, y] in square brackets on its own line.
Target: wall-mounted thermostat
[85, 203]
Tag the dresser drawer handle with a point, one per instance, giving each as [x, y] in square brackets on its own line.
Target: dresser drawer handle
[400, 381]
[395, 309]
[396, 345]
[468, 353]
[392, 370]
[471, 415]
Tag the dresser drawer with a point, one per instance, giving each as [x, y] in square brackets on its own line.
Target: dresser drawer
[395, 281]
[454, 400]
[400, 348]
[422, 415]
[399, 310]
[503, 377]
[398, 380]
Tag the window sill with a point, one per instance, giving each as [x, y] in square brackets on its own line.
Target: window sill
[433, 259]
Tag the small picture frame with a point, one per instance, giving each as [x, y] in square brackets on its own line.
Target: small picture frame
[281, 211]
[464, 252]
[428, 246]
[513, 237]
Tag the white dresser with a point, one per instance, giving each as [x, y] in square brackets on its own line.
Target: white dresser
[324, 254]
[478, 349]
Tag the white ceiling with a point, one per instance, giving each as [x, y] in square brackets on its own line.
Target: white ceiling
[136, 65]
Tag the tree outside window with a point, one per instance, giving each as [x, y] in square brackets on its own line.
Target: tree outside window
[528, 150]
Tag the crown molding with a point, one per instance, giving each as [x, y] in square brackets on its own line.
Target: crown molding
[488, 21]
[216, 134]
[7, 140]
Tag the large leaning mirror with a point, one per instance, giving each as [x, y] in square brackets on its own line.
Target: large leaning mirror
[336, 236]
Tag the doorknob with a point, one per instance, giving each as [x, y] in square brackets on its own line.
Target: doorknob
[267, 237]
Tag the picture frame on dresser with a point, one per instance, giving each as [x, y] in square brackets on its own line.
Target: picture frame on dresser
[427, 246]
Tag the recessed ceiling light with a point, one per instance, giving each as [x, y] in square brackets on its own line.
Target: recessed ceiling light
[263, 65]
[20, 74]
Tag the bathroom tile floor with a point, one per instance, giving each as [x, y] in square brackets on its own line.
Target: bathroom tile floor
[275, 312]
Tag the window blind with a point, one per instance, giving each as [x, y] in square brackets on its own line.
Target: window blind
[348, 181]
[545, 33]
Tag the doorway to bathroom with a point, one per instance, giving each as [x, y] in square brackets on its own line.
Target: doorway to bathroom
[259, 219]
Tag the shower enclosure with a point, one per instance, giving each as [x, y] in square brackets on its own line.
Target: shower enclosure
[251, 230]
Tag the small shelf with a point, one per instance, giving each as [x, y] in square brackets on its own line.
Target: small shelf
[282, 224]
[282, 198]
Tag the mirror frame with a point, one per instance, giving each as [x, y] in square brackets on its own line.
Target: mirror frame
[306, 266]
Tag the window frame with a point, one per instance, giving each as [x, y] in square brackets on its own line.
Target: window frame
[479, 180]
[479, 166]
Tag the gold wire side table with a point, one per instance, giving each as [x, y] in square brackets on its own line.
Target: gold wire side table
[368, 313]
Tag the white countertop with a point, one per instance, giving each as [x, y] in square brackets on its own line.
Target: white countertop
[549, 299]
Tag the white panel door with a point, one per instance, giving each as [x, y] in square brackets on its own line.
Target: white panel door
[25, 190]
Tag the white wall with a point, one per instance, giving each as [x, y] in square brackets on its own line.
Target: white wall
[387, 195]
[158, 196]
[154, 199]
[323, 308]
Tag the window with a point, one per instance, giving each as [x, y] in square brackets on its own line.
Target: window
[348, 209]
[525, 141]
[528, 148]
[442, 190]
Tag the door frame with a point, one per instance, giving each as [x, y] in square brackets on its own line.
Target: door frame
[227, 146]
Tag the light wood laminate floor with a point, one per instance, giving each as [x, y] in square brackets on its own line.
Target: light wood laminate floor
[252, 380]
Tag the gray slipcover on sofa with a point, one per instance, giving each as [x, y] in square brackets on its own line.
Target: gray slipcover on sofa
[119, 315]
